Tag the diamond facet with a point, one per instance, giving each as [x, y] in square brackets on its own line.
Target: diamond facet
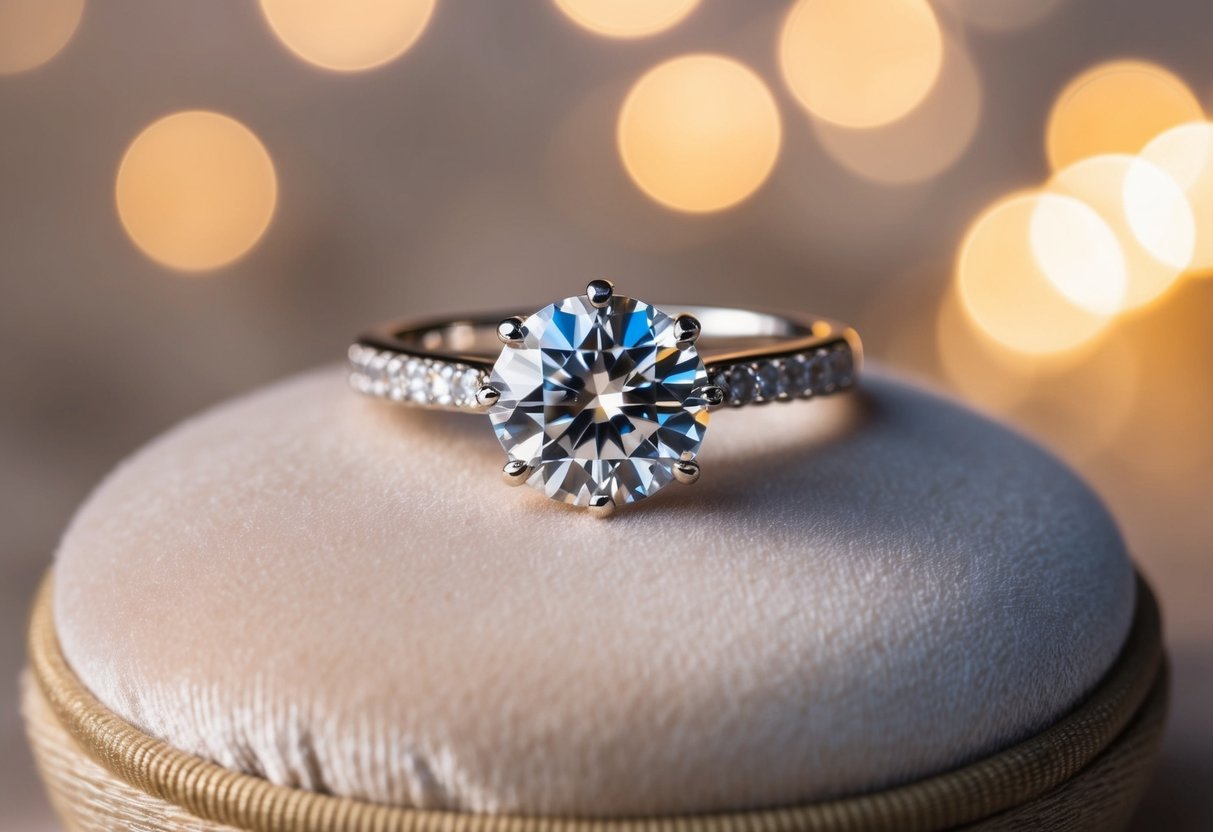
[599, 402]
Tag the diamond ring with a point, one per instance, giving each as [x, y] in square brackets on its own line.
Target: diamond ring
[601, 400]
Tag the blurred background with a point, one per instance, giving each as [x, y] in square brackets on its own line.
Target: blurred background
[1012, 200]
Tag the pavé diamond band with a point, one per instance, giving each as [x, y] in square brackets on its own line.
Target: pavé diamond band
[599, 399]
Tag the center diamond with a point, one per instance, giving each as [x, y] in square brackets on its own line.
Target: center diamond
[599, 403]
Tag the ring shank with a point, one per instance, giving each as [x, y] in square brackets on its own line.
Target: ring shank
[755, 356]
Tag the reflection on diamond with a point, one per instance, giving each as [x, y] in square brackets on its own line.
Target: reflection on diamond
[599, 402]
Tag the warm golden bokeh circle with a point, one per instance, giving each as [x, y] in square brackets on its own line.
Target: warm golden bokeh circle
[196, 190]
[348, 35]
[1079, 253]
[1006, 292]
[583, 183]
[626, 18]
[1186, 154]
[1148, 213]
[34, 31]
[860, 63]
[699, 133]
[921, 144]
[1116, 107]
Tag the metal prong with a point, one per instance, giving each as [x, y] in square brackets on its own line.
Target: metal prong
[515, 472]
[487, 395]
[601, 506]
[686, 330]
[686, 471]
[599, 292]
[510, 331]
[713, 394]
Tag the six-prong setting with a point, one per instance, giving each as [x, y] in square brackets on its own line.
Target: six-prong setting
[599, 398]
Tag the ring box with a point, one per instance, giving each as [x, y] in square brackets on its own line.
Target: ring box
[302, 610]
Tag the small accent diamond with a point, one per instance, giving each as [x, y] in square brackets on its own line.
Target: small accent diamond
[796, 375]
[417, 372]
[397, 390]
[467, 382]
[769, 381]
[440, 383]
[740, 384]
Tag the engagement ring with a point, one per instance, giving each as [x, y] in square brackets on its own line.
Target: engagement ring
[600, 400]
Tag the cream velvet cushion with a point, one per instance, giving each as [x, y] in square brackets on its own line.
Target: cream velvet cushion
[338, 594]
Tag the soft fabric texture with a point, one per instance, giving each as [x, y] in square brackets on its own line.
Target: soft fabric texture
[340, 594]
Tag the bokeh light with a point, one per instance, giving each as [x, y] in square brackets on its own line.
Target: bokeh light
[1096, 283]
[1002, 15]
[348, 35]
[1116, 107]
[1186, 154]
[1148, 213]
[860, 63]
[921, 144]
[196, 190]
[626, 18]
[1004, 288]
[699, 133]
[34, 31]
[583, 181]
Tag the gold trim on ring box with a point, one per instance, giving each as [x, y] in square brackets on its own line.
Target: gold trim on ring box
[210, 792]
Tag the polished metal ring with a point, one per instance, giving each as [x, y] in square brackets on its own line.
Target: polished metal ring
[600, 400]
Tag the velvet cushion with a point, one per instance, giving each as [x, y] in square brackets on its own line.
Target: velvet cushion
[340, 594]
